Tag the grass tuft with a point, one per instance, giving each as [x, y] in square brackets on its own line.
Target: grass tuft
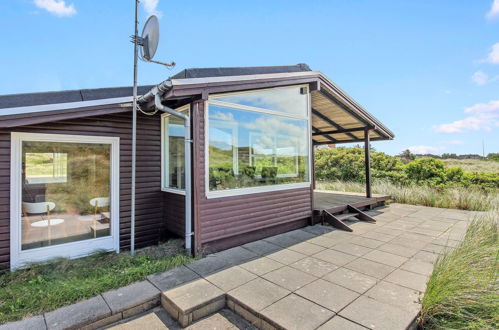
[462, 292]
[453, 198]
[48, 286]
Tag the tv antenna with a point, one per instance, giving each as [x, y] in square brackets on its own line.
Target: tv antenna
[149, 40]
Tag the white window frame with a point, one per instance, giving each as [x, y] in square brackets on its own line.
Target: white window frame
[18, 257]
[264, 188]
[165, 156]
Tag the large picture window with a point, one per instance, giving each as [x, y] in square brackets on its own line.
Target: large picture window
[65, 194]
[258, 140]
[173, 162]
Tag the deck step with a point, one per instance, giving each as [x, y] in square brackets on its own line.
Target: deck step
[344, 216]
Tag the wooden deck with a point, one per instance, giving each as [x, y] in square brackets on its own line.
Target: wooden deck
[336, 202]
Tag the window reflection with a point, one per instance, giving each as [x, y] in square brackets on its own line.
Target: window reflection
[291, 100]
[65, 192]
[248, 149]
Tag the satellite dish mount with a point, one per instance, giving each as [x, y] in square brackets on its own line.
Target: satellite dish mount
[149, 40]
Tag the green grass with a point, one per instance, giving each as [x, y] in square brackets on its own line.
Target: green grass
[473, 165]
[463, 291]
[45, 287]
[454, 198]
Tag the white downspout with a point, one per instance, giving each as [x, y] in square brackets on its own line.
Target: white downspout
[187, 159]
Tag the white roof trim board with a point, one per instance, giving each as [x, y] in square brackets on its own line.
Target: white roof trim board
[64, 106]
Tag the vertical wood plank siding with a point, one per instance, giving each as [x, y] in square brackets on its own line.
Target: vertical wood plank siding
[149, 198]
[237, 219]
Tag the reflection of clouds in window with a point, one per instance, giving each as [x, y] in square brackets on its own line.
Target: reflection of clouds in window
[288, 100]
[225, 116]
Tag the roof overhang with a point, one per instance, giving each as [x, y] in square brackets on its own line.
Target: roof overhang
[336, 117]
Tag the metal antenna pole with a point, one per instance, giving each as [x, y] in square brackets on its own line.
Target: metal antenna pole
[134, 128]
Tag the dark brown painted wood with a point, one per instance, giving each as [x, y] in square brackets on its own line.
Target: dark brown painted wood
[229, 221]
[150, 216]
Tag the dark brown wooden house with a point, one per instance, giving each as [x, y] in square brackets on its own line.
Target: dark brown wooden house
[65, 161]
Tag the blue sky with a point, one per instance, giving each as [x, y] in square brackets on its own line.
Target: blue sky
[427, 69]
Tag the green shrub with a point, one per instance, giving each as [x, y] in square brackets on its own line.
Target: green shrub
[428, 170]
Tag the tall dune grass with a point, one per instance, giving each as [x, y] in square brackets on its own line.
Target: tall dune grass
[455, 198]
[463, 291]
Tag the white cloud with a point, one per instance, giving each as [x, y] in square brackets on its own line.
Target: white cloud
[448, 91]
[425, 149]
[494, 10]
[493, 56]
[56, 7]
[481, 78]
[150, 6]
[483, 116]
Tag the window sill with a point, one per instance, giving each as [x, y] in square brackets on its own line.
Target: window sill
[173, 191]
[255, 190]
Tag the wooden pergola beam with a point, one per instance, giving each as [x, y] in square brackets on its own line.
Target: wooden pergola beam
[319, 132]
[344, 130]
[331, 122]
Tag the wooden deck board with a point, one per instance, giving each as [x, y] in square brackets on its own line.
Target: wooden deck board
[336, 202]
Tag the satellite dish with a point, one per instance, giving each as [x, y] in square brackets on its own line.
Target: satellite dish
[150, 38]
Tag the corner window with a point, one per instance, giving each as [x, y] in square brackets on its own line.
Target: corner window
[64, 195]
[173, 152]
[258, 143]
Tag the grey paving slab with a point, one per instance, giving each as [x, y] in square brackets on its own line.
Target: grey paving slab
[335, 257]
[283, 240]
[236, 255]
[306, 248]
[208, 265]
[289, 278]
[294, 312]
[435, 248]
[399, 250]
[426, 256]
[408, 279]
[261, 266]
[286, 256]
[350, 279]
[379, 236]
[386, 258]
[194, 294]
[258, 294]
[301, 235]
[395, 295]
[32, 323]
[79, 314]
[172, 278]
[366, 242]
[340, 323]
[130, 296]
[230, 278]
[328, 294]
[387, 231]
[323, 241]
[371, 268]
[318, 229]
[353, 249]
[374, 314]
[149, 321]
[262, 247]
[418, 266]
[313, 266]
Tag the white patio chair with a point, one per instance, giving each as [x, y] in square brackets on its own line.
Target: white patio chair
[97, 203]
[38, 209]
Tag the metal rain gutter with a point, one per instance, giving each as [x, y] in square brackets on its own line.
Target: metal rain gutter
[155, 94]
